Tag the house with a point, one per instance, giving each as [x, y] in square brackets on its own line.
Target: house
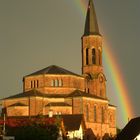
[74, 126]
[138, 137]
[131, 131]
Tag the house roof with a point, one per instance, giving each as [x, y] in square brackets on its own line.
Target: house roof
[72, 122]
[131, 130]
[53, 69]
[58, 104]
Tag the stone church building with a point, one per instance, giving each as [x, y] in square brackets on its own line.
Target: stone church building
[61, 91]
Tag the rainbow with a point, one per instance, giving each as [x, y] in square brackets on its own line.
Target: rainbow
[119, 89]
[118, 84]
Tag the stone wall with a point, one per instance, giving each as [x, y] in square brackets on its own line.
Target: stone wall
[54, 84]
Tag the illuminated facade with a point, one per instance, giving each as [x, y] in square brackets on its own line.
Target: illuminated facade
[63, 92]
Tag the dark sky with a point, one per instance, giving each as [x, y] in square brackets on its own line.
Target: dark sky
[37, 33]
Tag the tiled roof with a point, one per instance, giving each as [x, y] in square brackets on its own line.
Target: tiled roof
[79, 93]
[131, 130]
[58, 104]
[52, 95]
[17, 104]
[35, 93]
[53, 70]
[26, 94]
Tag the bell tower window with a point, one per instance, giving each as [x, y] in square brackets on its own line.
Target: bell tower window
[87, 57]
[93, 56]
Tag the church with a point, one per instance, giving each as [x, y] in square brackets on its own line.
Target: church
[60, 91]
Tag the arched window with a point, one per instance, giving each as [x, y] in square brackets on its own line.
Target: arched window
[87, 61]
[101, 92]
[87, 113]
[93, 56]
[95, 113]
[102, 115]
[111, 117]
[101, 80]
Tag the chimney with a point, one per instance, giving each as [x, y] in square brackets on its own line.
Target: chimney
[50, 113]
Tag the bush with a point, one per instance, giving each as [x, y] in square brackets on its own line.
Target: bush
[34, 132]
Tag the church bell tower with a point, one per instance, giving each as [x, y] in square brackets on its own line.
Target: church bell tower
[92, 67]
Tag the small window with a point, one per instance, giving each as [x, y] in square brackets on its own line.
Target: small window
[87, 113]
[56, 83]
[31, 84]
[60, 83]
[101, 92]
[95, 113]
[88, 90]
[52, 83]
[102, 115]
[34, 84]
[100, 58]
[111, 118]
[37, 83]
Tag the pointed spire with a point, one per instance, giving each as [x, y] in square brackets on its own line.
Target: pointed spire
[91, 25]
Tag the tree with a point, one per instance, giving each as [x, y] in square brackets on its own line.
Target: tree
[39, 128]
